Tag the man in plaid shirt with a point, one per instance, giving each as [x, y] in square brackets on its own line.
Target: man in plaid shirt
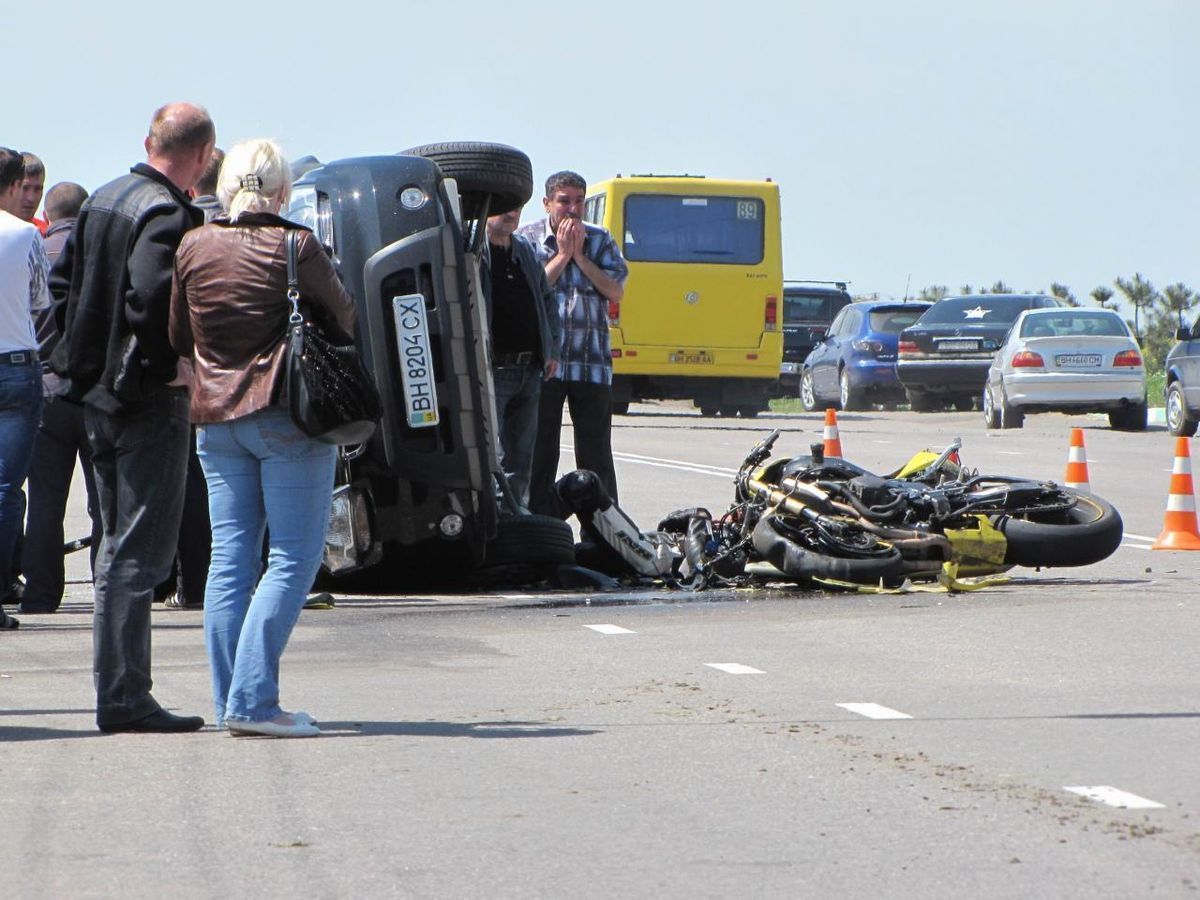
[586, 272]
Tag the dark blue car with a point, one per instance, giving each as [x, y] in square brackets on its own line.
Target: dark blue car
[856, 363]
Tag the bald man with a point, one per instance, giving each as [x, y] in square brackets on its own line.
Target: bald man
[112, 291]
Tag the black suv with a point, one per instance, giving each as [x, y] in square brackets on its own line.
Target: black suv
[809, 307]
[405, 234]
[945, 355]
[1183, 382]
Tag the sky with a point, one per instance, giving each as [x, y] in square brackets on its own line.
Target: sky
[915, 143]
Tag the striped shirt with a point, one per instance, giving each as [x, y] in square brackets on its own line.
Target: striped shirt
[582, 309]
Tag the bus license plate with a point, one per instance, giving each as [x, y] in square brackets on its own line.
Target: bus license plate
[700, 358]
[1077, 360]
[416, 364]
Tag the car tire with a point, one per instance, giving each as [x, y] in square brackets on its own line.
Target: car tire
[808, 395]
[748, 412]
[848, 398]
[1010, 416]
[964, 403]
[709, 412]
[921, 401]
[504, 173]
[1180, 420]
[531, 541]
[1128, 418]
[991, 413]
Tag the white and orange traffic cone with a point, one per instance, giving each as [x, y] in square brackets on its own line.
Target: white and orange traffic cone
[1077, 470]
[1179, 524]
[833, 443]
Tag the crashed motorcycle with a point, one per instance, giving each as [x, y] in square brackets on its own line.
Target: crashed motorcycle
[828, 520]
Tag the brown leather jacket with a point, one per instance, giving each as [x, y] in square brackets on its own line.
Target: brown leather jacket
[229, 310]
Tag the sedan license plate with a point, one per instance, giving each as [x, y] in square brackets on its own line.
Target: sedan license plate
[958, 345]
[700, 358]
[1077, 360]
[416, 364]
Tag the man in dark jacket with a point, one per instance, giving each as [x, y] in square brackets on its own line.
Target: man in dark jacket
[112, 290]
[60, 440]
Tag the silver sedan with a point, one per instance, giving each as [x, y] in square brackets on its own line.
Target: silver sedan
[1067, 360]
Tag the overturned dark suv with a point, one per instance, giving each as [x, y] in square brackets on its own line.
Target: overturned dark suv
[406, 233]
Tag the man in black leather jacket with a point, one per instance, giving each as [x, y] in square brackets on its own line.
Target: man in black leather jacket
[112, 291]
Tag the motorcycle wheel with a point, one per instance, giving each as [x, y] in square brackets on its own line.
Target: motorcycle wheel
[1086, 533]
[802, 564]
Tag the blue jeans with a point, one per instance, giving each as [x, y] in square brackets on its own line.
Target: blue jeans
[517, 391]
[20, 412]
[138, 458]
[263, 474]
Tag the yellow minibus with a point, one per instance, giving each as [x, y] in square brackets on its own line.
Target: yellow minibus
[700, 319]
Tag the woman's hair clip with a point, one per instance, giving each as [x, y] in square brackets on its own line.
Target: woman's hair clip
[250, 183]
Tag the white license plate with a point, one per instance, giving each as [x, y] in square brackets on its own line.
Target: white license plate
[701, 358]
[958, 345]
[416, 365]
[789, 368]
[1077, 360]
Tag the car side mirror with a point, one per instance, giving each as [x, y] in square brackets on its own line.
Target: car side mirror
[1183, 334]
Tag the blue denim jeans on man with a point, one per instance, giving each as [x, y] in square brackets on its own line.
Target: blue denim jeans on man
[138, 457]
[263, 474]
[517, 391]
[20, 411]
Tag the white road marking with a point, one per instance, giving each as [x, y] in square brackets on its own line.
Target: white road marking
[660, 463]
[874, 711]
[610, 629]
[1140, 537]
[1136, 546]
[1010, 452]
[736, 669]
[1111, 796]
[516, 596]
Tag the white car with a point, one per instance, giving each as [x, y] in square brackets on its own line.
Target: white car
[1067, 360]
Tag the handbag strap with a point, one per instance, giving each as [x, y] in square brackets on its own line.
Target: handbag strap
[291, 240]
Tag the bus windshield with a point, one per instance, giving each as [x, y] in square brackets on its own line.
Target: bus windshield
[673, 229]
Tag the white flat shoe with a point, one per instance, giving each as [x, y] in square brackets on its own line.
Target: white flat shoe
[301, 716]
[286, 725]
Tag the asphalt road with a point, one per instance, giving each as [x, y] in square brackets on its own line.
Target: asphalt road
[768, 743]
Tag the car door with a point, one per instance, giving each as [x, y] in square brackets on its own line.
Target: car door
[1188, 361]
[826, 365]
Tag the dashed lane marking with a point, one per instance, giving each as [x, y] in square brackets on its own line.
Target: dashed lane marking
[1111, 796]
[610, 629]
[874, 711]
[661, 463]
[736, 669]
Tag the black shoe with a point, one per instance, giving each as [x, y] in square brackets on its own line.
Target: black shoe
[159, 721]
[7, 622]
[36, 609]
[14, 593]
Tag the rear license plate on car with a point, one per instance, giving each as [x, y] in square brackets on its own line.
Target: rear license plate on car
[1077, 360]
[416, 364]
[958, 345]
[700, 358]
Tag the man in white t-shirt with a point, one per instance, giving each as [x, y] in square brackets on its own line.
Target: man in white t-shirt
[23, 289]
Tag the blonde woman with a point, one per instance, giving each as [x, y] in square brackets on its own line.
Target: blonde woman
[229, 314]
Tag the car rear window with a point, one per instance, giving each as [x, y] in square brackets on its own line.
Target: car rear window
[977, 310]
[673, 229]
[1074, 324]
[893, 320]
[801, 308]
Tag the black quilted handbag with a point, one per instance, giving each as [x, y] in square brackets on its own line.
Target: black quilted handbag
[331, 395]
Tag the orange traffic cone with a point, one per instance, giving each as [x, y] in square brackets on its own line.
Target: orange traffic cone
[833, 443]
[1179, 525]
[1077, 470]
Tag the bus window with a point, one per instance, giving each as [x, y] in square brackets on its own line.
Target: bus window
[593, 209]
[672, 229]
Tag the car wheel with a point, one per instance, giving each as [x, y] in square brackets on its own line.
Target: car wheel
[748, 412]
[991, 414]
[1128, 418]
[483, 170]
[920, 401]
[848, 397]
[1180, 420]
[709, 412]
[1010, 416]
[964, 404]
[808, 397]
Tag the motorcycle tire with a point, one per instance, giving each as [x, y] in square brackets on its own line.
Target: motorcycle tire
[802, 564]
[1086, 533]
